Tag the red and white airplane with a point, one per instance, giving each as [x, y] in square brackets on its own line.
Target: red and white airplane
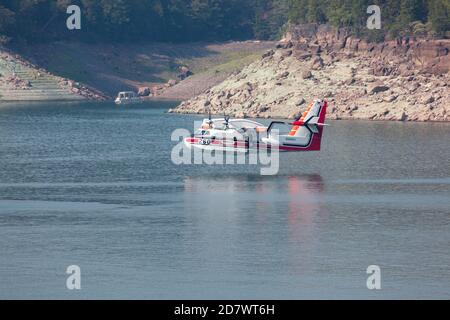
[242, 135]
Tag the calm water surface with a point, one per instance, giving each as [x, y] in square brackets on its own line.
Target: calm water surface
[93, 185]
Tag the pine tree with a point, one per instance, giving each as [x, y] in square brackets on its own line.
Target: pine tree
[298, 11]
[316, 12]
[439, 16]
[193, 20]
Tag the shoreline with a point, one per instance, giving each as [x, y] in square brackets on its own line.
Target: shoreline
[403, 80]
[247, 82]
[327, 119]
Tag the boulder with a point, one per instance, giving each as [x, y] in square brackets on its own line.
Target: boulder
[285, 45]
[307, 75]
[184, 73]
[403, 117]
[413, 87]
[287, 53]
[381, 69]
[390, 98]
[172, 82]
[155, 90]
[284, 75]
[294, 115]
[302, 55]
[247, 87]
[317, 63]
[268, 54]
[328, 94]
[144, 91]
[428, 99]
[263, 108]
[350, 81]
[377, 88]
[302, 101]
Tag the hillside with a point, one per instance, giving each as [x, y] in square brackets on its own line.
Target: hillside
[22, 81]
[399, 80]
[111, 68]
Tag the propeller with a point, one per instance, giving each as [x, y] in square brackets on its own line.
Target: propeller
[210, 122]
[227, 122]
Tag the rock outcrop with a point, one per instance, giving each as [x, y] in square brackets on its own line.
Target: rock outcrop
[184, 72]
[403, 79]
[143, 91]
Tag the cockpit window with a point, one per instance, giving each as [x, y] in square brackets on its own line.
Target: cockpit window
[244, 124]
[219, 124]
[282, 129]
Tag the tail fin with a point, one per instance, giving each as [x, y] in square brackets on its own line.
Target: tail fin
[300, 121]
[306, 113]
[316, 124]
[311, 124]
[316, 113]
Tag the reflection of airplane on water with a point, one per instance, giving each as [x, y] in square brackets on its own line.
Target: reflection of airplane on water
[242, 135]
[300, 190]
[292, 184]
[252, 211]
[303, 193]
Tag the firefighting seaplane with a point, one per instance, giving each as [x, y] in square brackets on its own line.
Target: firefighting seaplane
[243, 135]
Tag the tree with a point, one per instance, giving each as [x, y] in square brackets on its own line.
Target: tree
[439, 16]
[316, 11]
[270, 17]
[195, 20]
[298, 11]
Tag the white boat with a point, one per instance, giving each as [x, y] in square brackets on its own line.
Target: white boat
[127, 97]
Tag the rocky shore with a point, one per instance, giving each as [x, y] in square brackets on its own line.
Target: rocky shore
[403, 79]
[21, 80]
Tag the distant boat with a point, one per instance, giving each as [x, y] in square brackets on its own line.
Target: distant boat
[127, 97]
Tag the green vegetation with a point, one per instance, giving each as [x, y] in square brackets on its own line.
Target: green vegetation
[399, 17]
[206, 20]
[128, 20]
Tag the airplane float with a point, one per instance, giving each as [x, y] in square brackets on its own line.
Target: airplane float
[243, 135]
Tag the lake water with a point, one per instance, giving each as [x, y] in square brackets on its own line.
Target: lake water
[93, 185]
